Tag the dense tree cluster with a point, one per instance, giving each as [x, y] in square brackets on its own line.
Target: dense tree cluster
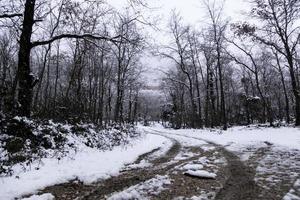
[235, 73]
[80, 61]
[70, 60]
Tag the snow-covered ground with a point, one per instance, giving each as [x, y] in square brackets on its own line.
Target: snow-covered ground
[294, 192]
[46, 196]
[87, 165]
[240, 136]
[152, 186]
[278, 165]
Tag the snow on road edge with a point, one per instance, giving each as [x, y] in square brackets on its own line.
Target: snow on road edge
[240, 136]
[88, 166]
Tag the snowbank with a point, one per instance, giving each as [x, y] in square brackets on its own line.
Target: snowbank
[46, 196]
[285, 136]
[152, 186]
[88, 165]
[201, 174]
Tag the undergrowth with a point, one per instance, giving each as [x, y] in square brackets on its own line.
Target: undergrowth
[23, 141]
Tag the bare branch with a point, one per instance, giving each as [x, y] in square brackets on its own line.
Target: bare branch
[3, 16]
[76, 36]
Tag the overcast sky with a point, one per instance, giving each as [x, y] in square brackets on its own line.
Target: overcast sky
[192, 11]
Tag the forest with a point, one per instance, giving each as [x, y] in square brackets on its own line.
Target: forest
[123, 100]
[68, 60]
[72, 61]
[235, 73]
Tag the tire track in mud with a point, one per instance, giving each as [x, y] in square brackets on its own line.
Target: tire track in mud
[77, 190]
[240, 184]
[132, 177]
[127, 178]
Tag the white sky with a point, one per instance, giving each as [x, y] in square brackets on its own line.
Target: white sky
[192, 11]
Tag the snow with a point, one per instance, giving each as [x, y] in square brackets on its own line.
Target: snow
[162, 151]
[203, 160]
[297, 184]
[88, 165]
[280, 150]
[292, 194]
[142, 164]
[155, 154]
[140, 191]
[192, 167]
[239, 136]
[201, 174]
[46, 196]
[220, 161]
[184, 155]
[195, 168]
[205, 195]
[185, 142]
[126, 195]
[279, 166]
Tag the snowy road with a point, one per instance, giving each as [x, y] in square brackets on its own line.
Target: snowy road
[261, 163]
[240, 178]
[198, 167]
[155, 175]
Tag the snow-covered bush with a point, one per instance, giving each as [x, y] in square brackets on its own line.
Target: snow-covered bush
[23, 140]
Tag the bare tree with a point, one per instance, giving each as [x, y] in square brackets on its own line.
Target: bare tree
[218, 28]
[278, 29]
[25, 78]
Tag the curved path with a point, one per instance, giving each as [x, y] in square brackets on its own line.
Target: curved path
[234, 181]
[240, 181]
[77, 190]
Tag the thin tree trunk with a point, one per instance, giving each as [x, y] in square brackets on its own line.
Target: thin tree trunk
[287, 106]
[56, 77]
[295, 89]
[41, 77]
[223, 108]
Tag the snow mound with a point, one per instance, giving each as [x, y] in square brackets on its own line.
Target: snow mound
[192, 167]
[126, 195]
[87, 165]
[46, 196]
[184, 156]
[140, 191]
[142, 164]
[292, 195]
[201, 174]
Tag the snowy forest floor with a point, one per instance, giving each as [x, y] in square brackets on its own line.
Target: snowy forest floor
[241, 163]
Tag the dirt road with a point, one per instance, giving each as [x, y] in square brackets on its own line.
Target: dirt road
[165, 177]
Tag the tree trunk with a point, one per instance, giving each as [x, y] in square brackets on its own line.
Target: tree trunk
[266, 103]
[135, 108]
[56, 78]
[129, 118]
[47, 93]
[223, 108]
[295, 89]
[212, 100]
[3, 87]
[25, 79]
[287, 106]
